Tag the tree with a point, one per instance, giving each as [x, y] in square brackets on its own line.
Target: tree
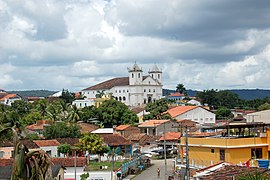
[67, 96]
[157, 109]
[264, 106]
[252, 176]
[61, 130]
[93, 144]
[64, 149]
[223, 112]
[74, 114]
[180, 88]
[112, 112]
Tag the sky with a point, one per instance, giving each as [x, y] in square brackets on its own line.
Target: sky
[74, 44]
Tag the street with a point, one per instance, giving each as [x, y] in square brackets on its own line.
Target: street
[151, 172]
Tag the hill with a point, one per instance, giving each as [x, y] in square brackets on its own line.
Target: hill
[246, 94]
[36, 93]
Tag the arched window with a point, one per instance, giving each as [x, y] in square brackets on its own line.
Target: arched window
[158, 76]
[120, 98]
[124, 98]
[139, 75]
[116, 98]
[132, 75]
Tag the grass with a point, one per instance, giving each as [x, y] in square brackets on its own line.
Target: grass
[95, 166]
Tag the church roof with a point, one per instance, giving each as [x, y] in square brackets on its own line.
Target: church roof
[155, 69]
[121, 81]
[135, 68]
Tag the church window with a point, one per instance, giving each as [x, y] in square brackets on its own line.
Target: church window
[149, 90]
[152, 76]
[119, 91]
[127, 90]
[123, 91]
[154, 90]
[116, 91]
[120, 98]
[124, 98]
[132, 75]
[85, 104]
[139, 75]
[116, 98]
[158, 76]
[144, 90]
[144, 101]
[149, 82]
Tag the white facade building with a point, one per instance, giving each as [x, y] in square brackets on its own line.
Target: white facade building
[133, 90]
[81, 103]
[194, 113]
[260, 116]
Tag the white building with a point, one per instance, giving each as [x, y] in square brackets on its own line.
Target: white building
[194, 113]
[133, 90]
[81, 103]
[260, 116]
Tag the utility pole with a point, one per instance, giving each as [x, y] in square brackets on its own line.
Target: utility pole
[165, 150]
[75, 164]
[187, 158]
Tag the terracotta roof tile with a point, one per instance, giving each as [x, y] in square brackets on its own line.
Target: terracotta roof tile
[71, 141]
[153, 123]
[122, 127]
[28, 143]
[86, 127]
[176, 94]
[6, 162]
[8, 96]
[115, 139]
[171, 136]
[137, 110]
[180, 110]
[121, 81]
[43, 143]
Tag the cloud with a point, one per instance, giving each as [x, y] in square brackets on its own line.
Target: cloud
[75, 44]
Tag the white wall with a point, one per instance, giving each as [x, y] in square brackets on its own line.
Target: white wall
[53, 150]
[83, 103]
[199, 115]
[261, 116]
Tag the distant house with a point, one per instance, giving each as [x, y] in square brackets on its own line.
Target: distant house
[7, 148]
[81, 103]
[158, 127]
[49, 146]
[260, 116]
[103, 131]
[242, 112]
[140, 112]
[116, 140]
[127, 130]
[177, 96]
[39, 126]
[195, 113]
[32, 99]
[194, 102]
[9, 99]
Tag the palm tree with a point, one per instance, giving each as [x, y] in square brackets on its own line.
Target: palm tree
[64, 109]
[74, 114]
[180, 88]
[28, 165]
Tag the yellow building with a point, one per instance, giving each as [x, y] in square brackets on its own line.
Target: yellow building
[234, 149]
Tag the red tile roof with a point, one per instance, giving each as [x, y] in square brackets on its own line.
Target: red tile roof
[6, 162]
[86, 127]
[69, 162]
[35, 127]
[71, 141]
[121, 127]
[8, 96]
[121, 81]
[176, 94]
[43, 143]
[180, 110]
[171, 136]
[115, 140]
[153, 123]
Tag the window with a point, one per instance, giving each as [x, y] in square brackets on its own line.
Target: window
[154, 90]
[144, 90]
[132, 75]
[115, 91]
[212, 150]
[85, 104]
[144, 101]
[149, 82]
[123, 91]
[120, 98]
[256, 153]
[49, 152]
[127, 90]
[152, 75]
[119, 91]
[80, 104]
[2, 154]
[158, 76]
[222, 154]
[149, 90]
[93, 92]
[124, 98]
[116, 98]
[139, 75]
[87, 93]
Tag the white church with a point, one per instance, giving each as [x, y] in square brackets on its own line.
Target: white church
[134, 90]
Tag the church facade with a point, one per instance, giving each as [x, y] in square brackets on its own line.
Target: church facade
[135, 90]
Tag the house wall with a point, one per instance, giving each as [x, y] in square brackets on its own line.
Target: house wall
[130, 130]
[261, 116]
[199, 115]
[159, 129]
[6, 152]
[53, 150]
[60, 175]
[83, 103]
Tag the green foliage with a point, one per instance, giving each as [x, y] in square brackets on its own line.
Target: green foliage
[74, 114]
[64, 149]
[181, 88]
[31, 118]
[264, 106]
[67, 96]
[21, 107]
[62, 130]
[113, 112]
[156, 109]
[32, 137]
[216, 99]
[84, 176]
[223, 113]
[89, 113]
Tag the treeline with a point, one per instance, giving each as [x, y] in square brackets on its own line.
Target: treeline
[225, 98]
